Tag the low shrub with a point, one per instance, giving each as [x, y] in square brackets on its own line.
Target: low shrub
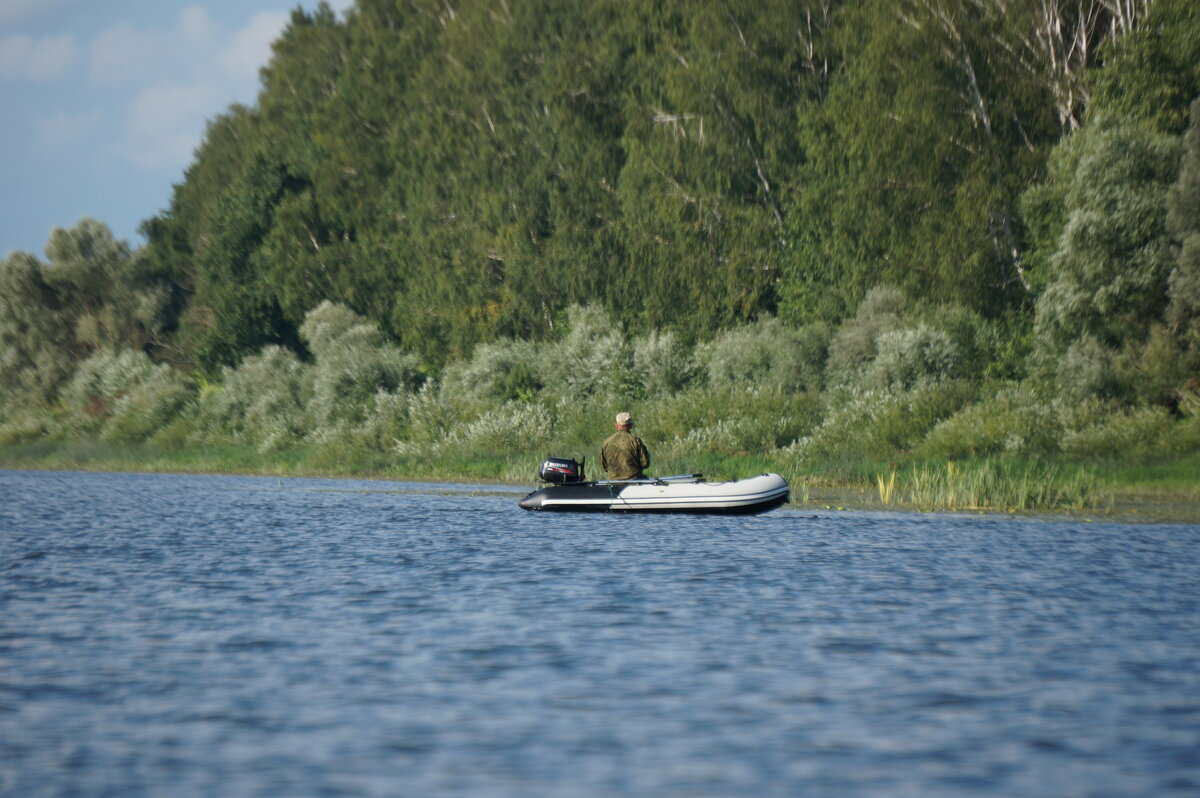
[386, 423]
[879, 425]
[909, 356]
[123, 396]
[855, 343]
[502, 370]
[1012, 420]
[261, 402]
[662, 364]
[731, 421]
[767, 354]
[148, 407]
[593, 359]
[28, 423]
[1141, 435]
[99, 382]
[432, 414]
[1085, 370]
[353, 361]
[514, 428]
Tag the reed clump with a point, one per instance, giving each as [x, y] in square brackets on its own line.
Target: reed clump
[993, 484]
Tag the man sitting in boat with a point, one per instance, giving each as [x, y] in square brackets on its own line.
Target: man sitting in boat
[623, 454]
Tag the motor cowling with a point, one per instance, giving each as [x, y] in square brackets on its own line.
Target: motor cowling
[561, 471]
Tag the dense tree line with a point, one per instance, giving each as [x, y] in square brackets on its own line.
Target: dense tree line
[1005, 189]
[461, 171]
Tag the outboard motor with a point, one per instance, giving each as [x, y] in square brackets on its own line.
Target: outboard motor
[561, 471]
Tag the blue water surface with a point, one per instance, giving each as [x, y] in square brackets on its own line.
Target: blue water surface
[231, 636]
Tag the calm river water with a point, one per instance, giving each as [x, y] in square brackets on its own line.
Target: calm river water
[229, 636]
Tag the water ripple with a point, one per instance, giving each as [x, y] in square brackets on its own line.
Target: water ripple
[215, 636]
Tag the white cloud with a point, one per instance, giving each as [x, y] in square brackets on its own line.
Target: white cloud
[55, 132]
[24, 57]
[251, 46]
[124, 54]
[165, 123]
[181, 78]
[194, 25]
[121, 53]
[128, 55]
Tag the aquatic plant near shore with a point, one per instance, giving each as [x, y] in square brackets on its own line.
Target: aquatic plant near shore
[887, 488]
[991, 484]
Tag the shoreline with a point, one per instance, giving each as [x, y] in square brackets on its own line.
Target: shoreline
[814, 492]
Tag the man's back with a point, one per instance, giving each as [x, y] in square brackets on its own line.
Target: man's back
[624, 456]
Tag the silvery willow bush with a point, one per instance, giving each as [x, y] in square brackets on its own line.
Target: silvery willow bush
[1012, 419]
[1107, 278]
[855, 343]
[767, 353]
[123, 396]
[662, 364]
[594, 358]
[261, 402]
[906, 357]
[501, 370]
[352, 362]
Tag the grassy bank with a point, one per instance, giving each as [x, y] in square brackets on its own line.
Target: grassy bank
[1163, 492]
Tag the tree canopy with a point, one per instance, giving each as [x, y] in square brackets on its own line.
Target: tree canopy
[464, 173]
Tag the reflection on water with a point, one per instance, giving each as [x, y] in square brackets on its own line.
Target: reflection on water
[196, 636]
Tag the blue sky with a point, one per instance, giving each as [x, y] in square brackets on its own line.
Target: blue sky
[105, 101]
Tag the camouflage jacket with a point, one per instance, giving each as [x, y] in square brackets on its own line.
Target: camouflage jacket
[624, 456]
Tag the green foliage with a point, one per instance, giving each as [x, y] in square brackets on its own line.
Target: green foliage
[916, 151]
[459, 176]
[594, 358]
[1087, 369]
[1183, 219]
[728, 420]
[261, 402]
[855, 344]
[515, 427]
[26, 424]
[880, 349]
[1152, 73]
[353, 362]
[701, 212]
[911, 356]
[662, 363]
[93, 292]
[501, 370]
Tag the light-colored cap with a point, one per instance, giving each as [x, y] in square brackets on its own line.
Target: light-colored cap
[623, 419]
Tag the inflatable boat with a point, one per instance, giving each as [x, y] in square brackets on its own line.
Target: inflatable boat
[685, 493]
